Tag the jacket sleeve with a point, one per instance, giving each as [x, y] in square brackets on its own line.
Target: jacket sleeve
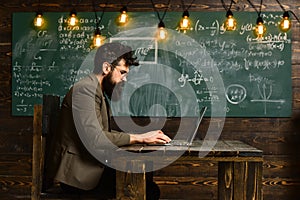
[118, 138]
[91, 118]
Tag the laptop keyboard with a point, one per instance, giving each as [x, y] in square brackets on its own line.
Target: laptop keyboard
[178, 143]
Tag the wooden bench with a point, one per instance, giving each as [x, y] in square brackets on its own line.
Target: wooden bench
[239, 165]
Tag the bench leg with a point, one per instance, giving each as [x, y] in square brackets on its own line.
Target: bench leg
[131, 185]
[240, 181]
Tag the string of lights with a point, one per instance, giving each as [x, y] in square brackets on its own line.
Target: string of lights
[161, 32]
[98, 38]
[123, 18]
[230, 23]
[260, 29]
[72, 21]
[39, 20]
[185, 23]
[285, 23]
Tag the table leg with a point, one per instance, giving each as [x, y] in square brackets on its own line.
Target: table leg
[225, 181]
[240, 180]
[131, 185]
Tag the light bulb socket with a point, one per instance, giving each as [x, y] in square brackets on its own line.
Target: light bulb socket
[161, 24]
[97, 31]
[38, 20]
[123, 9]
[259, 20]
[229, 13]
[185, 13]
[286, 14]
[39, 13]
[73, 12]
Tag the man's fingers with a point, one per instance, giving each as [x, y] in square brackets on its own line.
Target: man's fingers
[164, 138]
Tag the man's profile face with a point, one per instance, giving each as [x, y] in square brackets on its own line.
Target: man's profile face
[114, 81]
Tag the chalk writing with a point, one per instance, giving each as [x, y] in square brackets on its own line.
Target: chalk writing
[141, 47]
[235, 93]
[265, 94]
[198, 78]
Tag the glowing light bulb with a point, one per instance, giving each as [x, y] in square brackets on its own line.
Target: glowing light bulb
[162, 33]
[73, 18]
[98, 38]
[38, 20]
[260, 28]
[285, 23]
[185, 23]
[230, 22]
[123, 17]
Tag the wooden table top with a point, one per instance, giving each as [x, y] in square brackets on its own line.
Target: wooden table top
[220, 148]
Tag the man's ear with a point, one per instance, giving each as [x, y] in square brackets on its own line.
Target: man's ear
[106, 68]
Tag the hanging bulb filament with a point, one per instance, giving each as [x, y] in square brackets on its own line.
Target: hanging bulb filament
[260, 28]
[285, 23]
[185, 23]
[98, 38]
[162, 33]
[73, 18]
[230, 22]
[38, 20]
[123, 17]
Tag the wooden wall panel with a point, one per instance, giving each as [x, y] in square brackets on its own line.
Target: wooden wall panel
[201, 176]
[15, 187]
[16, 165]
[5, 75]
[273, 189]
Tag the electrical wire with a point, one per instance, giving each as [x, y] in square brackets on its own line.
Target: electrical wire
[183, 6]
[288, 11]
[253, 7]
[96, 16]
[224, 5]
[281, 5]
[261, 2]
[164, 14]
[39, 5]
[126, 3]
[295, 16]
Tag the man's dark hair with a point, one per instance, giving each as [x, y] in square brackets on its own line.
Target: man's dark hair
[113, 53]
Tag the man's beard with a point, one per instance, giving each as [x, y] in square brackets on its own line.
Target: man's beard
[111, 89]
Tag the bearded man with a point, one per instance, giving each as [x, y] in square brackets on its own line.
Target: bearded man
[84, 127]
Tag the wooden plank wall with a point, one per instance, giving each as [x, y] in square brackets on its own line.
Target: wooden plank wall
[279, 138]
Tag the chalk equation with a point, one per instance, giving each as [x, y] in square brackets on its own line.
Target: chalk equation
[265, 92]
[235, 93]
[141, 47]
[197, 79]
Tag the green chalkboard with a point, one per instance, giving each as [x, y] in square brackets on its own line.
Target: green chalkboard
[230, 72]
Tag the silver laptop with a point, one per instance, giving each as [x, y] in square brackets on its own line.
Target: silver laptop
[190, 139]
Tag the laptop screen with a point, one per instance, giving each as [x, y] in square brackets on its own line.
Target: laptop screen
[192, 136]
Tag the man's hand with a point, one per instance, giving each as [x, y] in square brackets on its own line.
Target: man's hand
[152, 137]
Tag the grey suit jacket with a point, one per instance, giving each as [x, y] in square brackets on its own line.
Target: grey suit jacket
[72, 162]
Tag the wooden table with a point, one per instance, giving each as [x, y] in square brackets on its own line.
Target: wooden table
[239, 167]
